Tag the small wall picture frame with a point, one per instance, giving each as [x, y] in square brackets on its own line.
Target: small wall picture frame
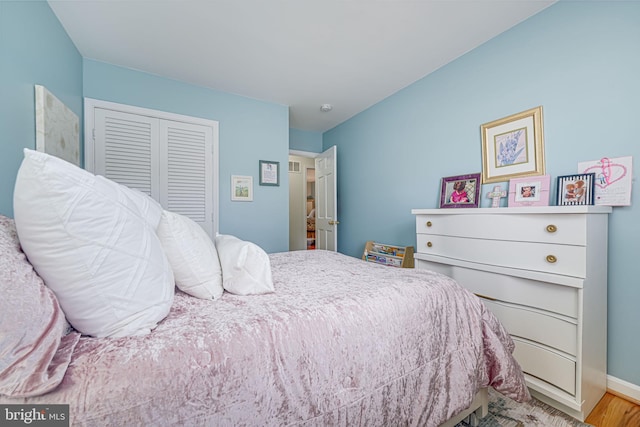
[269, 173]
[529, 191]
[241, 188]
[576, 190]
[460, 191]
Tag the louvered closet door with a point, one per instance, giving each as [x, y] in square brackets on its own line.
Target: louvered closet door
[169, 160]
[186, 171]
[125, 152]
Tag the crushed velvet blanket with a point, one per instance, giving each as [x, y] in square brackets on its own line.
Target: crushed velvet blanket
[341, 342]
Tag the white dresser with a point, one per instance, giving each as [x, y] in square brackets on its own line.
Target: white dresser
[543, 272]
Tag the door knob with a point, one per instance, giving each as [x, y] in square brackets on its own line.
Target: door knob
[332, 222]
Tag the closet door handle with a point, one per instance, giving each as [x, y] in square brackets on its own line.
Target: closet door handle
[334, 222]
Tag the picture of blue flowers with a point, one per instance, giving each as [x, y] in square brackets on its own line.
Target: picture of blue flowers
[511, 148]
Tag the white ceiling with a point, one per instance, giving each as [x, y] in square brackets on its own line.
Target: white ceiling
[300, 53]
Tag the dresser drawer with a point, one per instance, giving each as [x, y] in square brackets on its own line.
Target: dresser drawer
[536, 326]
[567, 260]
[558, 299]
[547, 365]
[545, 228]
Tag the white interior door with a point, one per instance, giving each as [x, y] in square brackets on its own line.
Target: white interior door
[326, 201]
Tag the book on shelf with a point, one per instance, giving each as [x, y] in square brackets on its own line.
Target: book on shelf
[391, 255]
[388, 250]
[384, 259]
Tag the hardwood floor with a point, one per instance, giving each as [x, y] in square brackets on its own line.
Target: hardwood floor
[614, 411]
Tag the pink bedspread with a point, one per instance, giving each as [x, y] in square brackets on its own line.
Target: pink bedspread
[340, 343]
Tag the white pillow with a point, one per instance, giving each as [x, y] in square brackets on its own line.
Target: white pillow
[92, 242]
[246, 269]
[192, 255]
[145, 206]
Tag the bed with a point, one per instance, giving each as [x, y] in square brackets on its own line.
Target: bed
[332, 341]
[341, 342]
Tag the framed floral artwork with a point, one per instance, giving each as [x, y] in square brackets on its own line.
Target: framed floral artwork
[513, 147]
[460, 191]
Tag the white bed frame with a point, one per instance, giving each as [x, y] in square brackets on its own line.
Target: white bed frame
[478, 409]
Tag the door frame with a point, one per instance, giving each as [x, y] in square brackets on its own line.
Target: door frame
[308, 155]
[314, 156]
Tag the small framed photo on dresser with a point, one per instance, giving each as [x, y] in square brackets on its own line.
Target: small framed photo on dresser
[574, 190]
[529, 191]
[460, 191]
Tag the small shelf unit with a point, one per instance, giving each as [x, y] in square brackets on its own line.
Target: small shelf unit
[391, 255]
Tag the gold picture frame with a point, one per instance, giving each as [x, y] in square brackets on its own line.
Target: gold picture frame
[513, 147]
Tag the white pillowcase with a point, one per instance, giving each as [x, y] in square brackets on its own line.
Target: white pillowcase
[246, 269]
[93, 242]
[192, 255]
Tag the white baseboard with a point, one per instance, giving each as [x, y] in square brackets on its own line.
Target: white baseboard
[623, 388]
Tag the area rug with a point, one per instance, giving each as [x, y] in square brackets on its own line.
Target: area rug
[504, 412]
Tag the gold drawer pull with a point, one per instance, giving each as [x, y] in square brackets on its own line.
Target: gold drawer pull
[486, 297]
[429, 244]
[429, 224]
[551, 259]
[552, 228]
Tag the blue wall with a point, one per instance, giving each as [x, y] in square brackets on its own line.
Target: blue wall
[34, 49]
[305, 140]
[250, 131]
[581, 62]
